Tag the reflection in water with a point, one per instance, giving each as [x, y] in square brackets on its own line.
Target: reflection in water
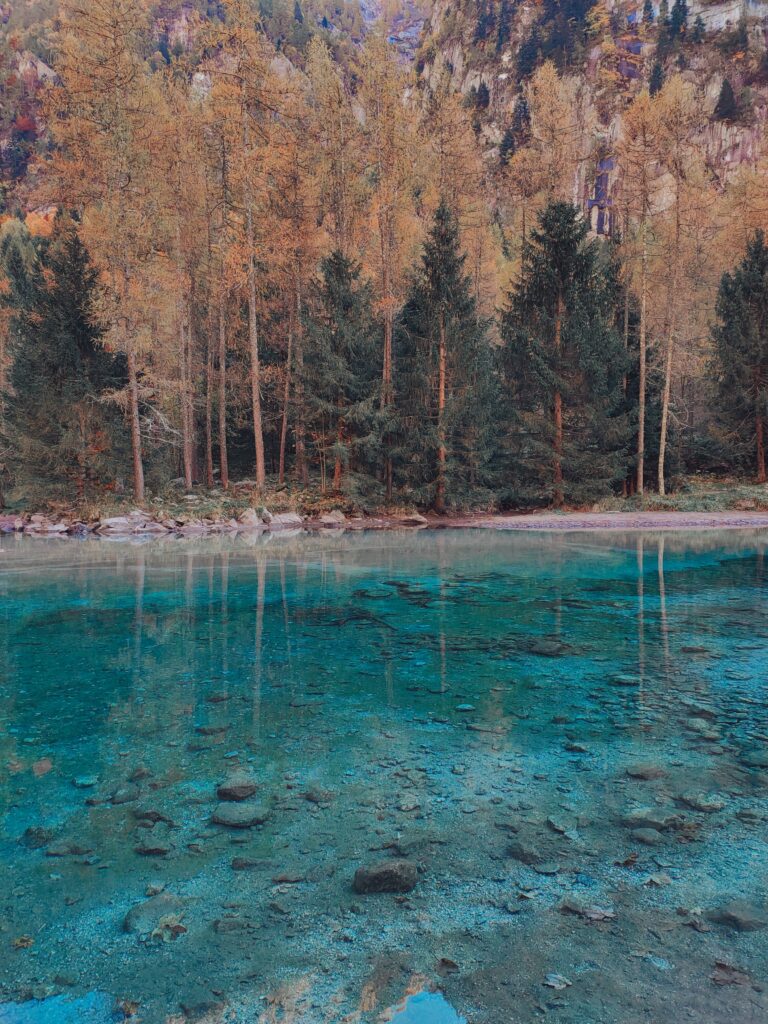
[564, 736]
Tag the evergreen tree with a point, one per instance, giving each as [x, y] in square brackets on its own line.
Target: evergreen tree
[504, 25]
[446, 380]
[648, 14]
[741, 351]
[58, 427]
[678, 21]
[657, 78]
[482, 97]
[697, 35]
[342, 369]
[521, 122]
[565, 362]
[507, 147]
[485, 21]
[726, 108]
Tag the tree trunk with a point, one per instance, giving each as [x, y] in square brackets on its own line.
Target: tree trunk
[665, 406]
[209, 409]
[559, 497]
[253, 332]
[302, 470]
[286, 402]
[670, 343]
[441, 446]
[760, 436]
[642, 366]
[133, 392]
[387, 396]
[223, 459]
[186, 417]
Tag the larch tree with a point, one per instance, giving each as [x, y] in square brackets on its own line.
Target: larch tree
[638, 158]
[247, 94]
[678, 117]
[390, 140]
[102, 115]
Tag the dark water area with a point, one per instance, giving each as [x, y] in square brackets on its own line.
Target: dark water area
[564, 737]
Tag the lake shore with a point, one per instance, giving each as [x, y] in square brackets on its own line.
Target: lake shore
[139, 523]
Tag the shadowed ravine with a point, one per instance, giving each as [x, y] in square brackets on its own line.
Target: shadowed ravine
[566, 735]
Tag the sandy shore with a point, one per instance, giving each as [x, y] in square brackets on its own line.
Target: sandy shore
[615, 521]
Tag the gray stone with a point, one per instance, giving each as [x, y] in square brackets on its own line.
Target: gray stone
[244, 814]
[386, 876]
[239, 786]
[36, 837]
[705, 802]
[646, 772]
[524, 852]
[149, 916]
[755, 757]
[649, 817]
[647, 836]
[741, 916]
[286, 521]
[125, 794]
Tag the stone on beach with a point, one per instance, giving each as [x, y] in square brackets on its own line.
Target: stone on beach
[237, 787]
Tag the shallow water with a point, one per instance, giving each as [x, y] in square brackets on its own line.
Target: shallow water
[462, 699]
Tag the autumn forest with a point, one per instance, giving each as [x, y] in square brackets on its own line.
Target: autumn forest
[289, 253]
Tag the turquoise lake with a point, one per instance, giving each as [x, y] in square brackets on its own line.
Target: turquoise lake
[566, 734]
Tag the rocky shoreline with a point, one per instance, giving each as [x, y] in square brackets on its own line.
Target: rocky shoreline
[139, 523]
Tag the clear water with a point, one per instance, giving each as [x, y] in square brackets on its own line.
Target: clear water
[457, 698]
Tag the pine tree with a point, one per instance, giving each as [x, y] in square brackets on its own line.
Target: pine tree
[59, 429]
[726, 109]
[648, 13]
[699, 29]
[446, 380]
[565, 362]
[741, 350]
[342, 371]
[657, 79]
[504, 25]
[678, 21]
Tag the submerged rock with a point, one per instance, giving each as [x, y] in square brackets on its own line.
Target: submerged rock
[741, 916]
[649, 817]
[524, 852]
[244, 814]
[151, 916]
[756, 757]
[386, 876]
[237, 787]
[647, 836]
[36, 837]
[646, 772]
[705, 802]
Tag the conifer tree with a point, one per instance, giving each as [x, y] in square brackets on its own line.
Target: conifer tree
[741, 350]
[342, 368]
[59, 428]
[445, 384]
[565, 361]
[726, 108]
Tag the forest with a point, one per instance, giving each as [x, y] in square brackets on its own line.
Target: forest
[279, 255]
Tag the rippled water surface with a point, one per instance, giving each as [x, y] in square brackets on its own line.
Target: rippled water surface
[566, 734]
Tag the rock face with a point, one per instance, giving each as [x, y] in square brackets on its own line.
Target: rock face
[237, 787]
[239, 815]
[741, 916]
[386, 876]
[286, 521]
